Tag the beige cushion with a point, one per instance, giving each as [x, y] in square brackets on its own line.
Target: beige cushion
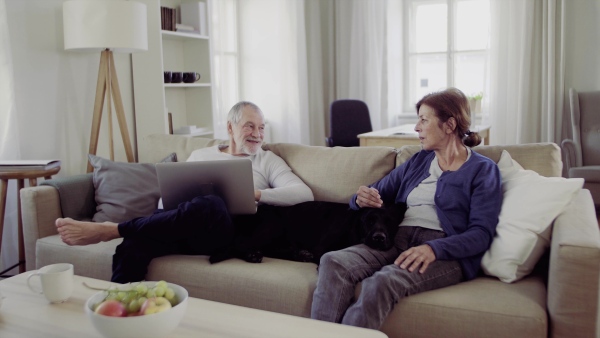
[93, 260]
[334, 174]
[183, 146]
[273, 285]
[483, 307]
[543, 158]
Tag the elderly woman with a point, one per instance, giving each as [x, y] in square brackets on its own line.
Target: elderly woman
[453, 196]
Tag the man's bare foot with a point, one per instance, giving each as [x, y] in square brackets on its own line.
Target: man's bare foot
[74, 232]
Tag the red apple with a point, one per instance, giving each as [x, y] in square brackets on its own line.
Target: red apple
[112, 308]
[155, 305]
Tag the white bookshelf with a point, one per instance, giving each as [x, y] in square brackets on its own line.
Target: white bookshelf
[188, 103]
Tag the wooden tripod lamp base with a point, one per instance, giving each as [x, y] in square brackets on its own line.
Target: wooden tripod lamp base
[108, 86]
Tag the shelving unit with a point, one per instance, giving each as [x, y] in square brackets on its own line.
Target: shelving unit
[188, 103]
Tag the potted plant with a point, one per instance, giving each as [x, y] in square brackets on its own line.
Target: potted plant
[475, 103]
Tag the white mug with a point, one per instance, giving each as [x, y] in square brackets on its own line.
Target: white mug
[56, 282]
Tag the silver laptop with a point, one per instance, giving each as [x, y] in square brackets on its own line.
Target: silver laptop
[232, 180]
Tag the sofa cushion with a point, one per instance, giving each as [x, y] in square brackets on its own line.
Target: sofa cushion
[543, 158]
[482, 307]
[124, 190]
[273, 285]
[164, 144]
[530, 203]
[93, 260]
[334, 174]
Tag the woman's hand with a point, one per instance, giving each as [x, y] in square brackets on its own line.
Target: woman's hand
[368, 197]
[416, 256]
[257, 195]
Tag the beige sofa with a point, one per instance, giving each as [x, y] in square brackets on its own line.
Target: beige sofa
[560, 299]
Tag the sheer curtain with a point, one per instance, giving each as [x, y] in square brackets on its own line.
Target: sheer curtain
[265, 41]
[273, 65]
[527, 71]
[369, 56]
[361, 67]
[9, 140]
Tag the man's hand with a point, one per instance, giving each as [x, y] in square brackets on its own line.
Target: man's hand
[368, 197]
[257, 195]
[416, 256]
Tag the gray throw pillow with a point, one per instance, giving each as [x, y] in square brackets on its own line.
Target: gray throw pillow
[124, 190]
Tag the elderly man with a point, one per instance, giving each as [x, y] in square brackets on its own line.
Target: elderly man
[203, 225]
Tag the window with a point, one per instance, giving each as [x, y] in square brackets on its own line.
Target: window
[448, 43]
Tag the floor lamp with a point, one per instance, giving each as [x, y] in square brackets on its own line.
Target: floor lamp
[106, 26]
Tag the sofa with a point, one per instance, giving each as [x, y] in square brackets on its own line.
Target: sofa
[559, 297]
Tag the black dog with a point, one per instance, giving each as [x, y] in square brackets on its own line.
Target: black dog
[306, 231]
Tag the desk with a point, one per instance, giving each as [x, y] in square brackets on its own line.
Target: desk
[404, 135]
[20, 176]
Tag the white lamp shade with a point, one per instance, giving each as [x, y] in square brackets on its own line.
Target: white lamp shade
[91, 25]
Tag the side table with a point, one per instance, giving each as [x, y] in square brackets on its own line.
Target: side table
[20, 176]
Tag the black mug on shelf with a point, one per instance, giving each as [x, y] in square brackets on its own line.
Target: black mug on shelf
[176, 77]
[191, 77]
[167, 77]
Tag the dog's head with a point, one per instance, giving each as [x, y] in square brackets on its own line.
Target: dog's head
[379, 225]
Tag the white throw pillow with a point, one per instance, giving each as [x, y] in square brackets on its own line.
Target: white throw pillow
[530, 204]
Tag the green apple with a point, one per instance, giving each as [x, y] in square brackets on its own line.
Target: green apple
[155, 305]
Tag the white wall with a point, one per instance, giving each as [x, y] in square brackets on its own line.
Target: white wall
[54, 92]
[55, 89]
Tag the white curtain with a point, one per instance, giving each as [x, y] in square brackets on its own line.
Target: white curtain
[273, 65]
[361, 55]
[9, 141]
[265, 41]
[527, 71]
[223, 31]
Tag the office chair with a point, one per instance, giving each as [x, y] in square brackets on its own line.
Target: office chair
[582, 153]
[347, 119]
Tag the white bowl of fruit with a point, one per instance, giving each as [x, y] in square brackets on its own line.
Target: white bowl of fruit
[144, 309]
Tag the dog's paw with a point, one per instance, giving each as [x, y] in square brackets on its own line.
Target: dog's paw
[255, 256]
[303, 256]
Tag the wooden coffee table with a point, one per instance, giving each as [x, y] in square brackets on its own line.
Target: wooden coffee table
[26, 314]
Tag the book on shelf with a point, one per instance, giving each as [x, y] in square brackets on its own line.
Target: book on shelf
[173, 19]
[185, 29]
[20, 165]
[168, 18]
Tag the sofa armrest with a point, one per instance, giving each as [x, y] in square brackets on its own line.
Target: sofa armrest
[574, 273]
[60, 197]
[76, 194]
[40, 207]
[569, 150]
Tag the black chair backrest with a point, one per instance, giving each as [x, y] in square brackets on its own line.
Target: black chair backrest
[347, 119]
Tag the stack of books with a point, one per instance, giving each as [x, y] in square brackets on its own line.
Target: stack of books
[168, 18]
[24, 165]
